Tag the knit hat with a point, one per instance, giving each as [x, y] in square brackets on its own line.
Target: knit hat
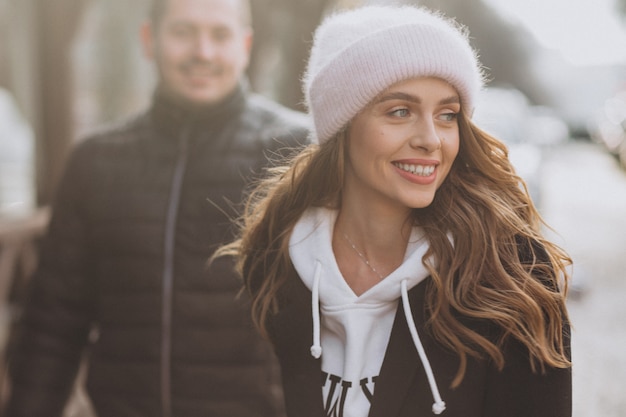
[358, 54]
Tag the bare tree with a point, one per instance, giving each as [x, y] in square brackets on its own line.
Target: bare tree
[57, 22]
[112, 77]
[283, 34]
[621, 7]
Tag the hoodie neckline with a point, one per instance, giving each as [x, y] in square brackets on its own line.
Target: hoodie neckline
[310, 249]
[311, 242]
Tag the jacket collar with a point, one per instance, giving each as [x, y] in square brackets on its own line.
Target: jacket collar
[170, 117]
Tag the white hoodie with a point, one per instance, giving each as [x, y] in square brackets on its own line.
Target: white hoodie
[354, 330]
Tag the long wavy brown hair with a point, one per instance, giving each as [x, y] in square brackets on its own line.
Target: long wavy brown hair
[499, 268]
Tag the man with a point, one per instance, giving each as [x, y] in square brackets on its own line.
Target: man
[123, 269]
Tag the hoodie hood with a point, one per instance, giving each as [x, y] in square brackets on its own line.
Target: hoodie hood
[351, 332]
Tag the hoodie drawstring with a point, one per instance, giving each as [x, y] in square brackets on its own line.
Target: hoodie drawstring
[439, 406]
[316, 348]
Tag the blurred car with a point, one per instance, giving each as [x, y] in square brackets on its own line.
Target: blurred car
[609, 126]
[547, 128]
[527, 131]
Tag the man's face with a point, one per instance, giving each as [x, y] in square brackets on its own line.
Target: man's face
[201, 49]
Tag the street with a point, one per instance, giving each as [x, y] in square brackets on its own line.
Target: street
[584, 200]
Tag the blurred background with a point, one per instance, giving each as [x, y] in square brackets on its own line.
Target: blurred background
[556, 96]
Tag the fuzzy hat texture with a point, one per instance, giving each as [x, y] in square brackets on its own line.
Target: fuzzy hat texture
[359, 53]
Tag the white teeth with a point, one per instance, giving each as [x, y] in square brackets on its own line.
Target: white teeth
[421, 170]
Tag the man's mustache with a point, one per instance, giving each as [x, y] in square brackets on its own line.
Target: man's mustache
[200, 65]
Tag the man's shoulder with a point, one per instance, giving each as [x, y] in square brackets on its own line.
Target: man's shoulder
[111, 138]
[120, 130]
[274, 111]
[274, 119]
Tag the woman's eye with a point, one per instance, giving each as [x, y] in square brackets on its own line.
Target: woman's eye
[448, 117]
[400, 112]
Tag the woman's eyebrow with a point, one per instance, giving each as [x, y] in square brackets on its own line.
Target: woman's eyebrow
[414, 99]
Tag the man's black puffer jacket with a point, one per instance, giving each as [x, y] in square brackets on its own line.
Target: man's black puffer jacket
[124, 270]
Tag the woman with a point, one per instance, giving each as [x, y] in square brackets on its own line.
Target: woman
[398, 265]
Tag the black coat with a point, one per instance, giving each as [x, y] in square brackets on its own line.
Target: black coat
[402, 388]
[123, 270]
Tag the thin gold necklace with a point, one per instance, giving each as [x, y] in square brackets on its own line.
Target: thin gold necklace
[363, 258]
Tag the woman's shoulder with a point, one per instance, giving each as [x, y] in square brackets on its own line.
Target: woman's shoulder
[533, 254]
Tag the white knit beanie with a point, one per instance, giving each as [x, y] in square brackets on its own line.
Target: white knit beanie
[358, 54]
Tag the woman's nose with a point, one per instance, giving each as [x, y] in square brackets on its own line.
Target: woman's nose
[426, 137]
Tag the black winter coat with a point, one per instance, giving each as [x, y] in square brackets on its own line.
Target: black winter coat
[123, 270]
[402, 388]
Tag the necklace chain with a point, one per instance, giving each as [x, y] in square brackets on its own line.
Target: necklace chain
[363, 258]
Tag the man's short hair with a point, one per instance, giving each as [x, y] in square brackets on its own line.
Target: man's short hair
[157, 10]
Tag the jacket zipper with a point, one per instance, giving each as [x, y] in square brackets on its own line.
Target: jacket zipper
[168, 272]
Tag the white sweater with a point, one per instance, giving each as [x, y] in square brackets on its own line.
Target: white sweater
[354, 330]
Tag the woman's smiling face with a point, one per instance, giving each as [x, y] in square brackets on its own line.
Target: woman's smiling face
[401, 147]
